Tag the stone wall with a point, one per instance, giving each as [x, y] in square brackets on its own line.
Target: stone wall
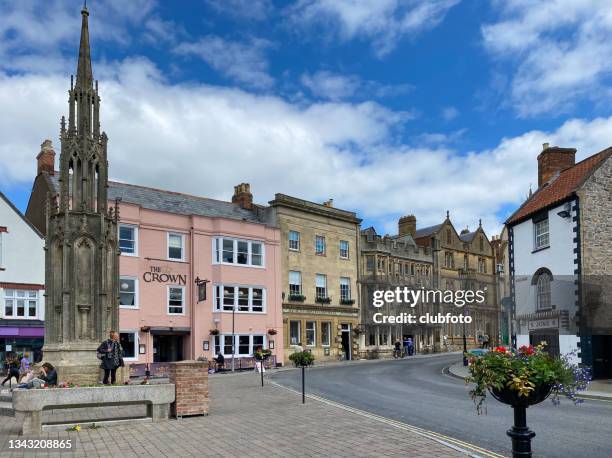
[596, 248]
[190, 379]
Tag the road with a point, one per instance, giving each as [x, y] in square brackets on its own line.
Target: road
[415, 391]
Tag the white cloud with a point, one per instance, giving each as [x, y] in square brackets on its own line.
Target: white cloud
[204, 139]
[384, 22]
[256, 10]
[449, 113]
[334, 86]
[561, 50]
[244, 62]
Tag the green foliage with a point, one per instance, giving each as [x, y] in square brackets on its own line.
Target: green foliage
[302, 358]
[523, 371]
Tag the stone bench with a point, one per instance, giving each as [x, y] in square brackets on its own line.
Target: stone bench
[29, 404]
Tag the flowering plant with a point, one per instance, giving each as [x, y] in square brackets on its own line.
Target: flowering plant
[526, 373]
[260, 355]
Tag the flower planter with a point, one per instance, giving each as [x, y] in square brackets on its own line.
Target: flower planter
[512, 398]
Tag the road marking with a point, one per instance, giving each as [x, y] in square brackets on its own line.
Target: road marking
[456, 444]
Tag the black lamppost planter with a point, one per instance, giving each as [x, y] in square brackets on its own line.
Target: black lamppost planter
[261, 356]
[302, 359]
[520, 434]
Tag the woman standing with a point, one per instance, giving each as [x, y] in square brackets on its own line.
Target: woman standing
[110, 353]
[13, 369]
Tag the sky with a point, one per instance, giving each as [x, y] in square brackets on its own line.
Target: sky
[390, 107]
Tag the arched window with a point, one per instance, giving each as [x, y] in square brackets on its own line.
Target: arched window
[543, 291]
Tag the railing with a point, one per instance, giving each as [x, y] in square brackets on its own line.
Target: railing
[242, 363]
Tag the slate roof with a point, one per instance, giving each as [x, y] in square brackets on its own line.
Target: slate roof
[173, 202]
[560, 188]
[426, 231]
[468, 236]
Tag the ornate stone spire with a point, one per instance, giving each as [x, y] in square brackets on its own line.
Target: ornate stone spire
[84, 79]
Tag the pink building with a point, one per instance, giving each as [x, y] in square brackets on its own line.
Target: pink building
[167, 241]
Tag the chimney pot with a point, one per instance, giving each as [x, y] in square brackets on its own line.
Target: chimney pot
[545, 146]
[552, 161]
[407, 225]
[242, 196]
[46, 158]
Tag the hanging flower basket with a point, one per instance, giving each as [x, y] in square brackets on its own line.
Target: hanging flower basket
[214, 332]
[262, 355]
[272, 332]
[525, 377]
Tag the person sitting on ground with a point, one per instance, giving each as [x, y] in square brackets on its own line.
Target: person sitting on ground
[220, 360]
[48, 376]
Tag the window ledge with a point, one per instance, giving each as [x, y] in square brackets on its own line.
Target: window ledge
[540, 249]
[129, 307]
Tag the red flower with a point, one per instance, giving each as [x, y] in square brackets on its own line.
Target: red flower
[527, 350]
[500, 349]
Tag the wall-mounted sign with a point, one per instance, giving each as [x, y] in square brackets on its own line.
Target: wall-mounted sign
[543, 323]
[271, 345]
[142, 349]
[164, 275]
[206, 345]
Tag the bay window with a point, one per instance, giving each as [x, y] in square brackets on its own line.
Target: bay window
[238, 252]
[242, 298]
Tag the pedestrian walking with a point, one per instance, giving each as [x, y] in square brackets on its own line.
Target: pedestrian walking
[24, 364]
[397, 352]
[485, 341]
[12, 366]
[110, 353]
[410, 350]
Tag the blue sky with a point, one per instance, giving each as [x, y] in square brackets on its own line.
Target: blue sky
[390, 107]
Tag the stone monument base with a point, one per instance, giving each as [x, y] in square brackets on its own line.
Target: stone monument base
[79, 366]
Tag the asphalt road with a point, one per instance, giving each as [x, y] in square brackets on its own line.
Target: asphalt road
[415, 391]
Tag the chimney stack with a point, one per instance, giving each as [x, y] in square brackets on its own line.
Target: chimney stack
[407, 225]
[242, 196]
[46, 158]
[552, 161]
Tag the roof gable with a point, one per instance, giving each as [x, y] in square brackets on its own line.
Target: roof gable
[561, 188]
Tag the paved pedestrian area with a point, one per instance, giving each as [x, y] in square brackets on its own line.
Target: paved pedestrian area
[245, 420]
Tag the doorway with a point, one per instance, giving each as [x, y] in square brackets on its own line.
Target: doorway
[602, 356]
[550, 337]
[346, 340]
[167, 348]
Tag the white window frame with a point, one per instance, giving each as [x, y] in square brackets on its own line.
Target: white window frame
[1, 247]
[26, 308]
[136, 293]
[177, 234]
[314, 333]
[348, 284]
[324, 277]
[299, 274]
[329, 326]
[536, 236]
[348, 249]
[218, 305]
[217, 252]
[136, 345]
[184, 305]
[219, 341]
[543, 294]
[299, 329]
[297, 241]
[135, 228]
[324, 252]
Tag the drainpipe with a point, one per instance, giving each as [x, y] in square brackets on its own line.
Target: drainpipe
[191, 290]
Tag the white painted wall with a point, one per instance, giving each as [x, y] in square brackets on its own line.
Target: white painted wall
[23, 255]
[559, 259]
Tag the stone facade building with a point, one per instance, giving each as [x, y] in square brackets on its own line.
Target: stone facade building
[388, 262]
[560, 243]
[320, 269]
[463, 261]
[500, 249]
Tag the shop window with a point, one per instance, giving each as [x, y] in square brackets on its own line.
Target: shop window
[325, 333]
[294, 333]
[129, 343]
[311, 333]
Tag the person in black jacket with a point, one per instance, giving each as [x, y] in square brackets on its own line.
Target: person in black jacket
[110, 353]
[48, 375]
[12, 364]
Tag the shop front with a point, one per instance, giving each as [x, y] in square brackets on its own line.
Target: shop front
[19, 338]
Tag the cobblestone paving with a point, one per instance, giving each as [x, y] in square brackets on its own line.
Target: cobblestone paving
[245, 420]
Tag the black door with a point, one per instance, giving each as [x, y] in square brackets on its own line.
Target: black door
[168, 348]
[602, 356]
[550, 337]
[346, 344]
